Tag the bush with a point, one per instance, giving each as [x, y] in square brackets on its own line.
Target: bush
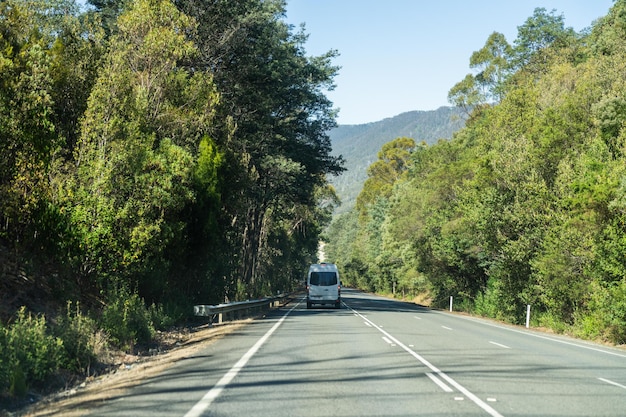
[164, 318]
[605, 317]
[28, 353]
[127, 320]
[77, 332]
[486, 303]
[551, 320]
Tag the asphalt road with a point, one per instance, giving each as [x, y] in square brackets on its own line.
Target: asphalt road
[377, 357]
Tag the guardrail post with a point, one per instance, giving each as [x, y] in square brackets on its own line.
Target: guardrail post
[528, 316]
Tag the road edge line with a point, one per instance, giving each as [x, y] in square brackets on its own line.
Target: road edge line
[208, 398]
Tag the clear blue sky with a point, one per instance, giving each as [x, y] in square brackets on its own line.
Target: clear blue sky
[403, 55]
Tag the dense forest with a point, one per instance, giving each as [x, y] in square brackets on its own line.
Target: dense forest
[153, 154]
[526, 205]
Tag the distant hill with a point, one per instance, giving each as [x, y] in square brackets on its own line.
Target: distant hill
[359, 144]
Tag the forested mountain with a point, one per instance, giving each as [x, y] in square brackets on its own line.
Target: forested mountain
[359, 144]
[526, 205]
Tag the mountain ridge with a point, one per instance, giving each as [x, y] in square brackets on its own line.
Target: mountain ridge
[359, 144]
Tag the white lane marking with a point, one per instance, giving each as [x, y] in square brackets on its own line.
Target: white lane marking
[446, 327]
[450, 381]
[439, 382]
[458, 398]
[491, 400]
[500, 345]
[608, 381]
[367, 324]
[204, 403]
[527, 333]
[419, 318]
[387, 340]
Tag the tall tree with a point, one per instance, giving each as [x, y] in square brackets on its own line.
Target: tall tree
[488, 85]
[274, 96]
[145, 130]
[393, 161]
[539, 32]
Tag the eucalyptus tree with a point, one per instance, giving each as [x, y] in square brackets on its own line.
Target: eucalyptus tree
[48, 59]
[275, 122]
[493, 65]
[144, 154]
[393, 161]
[539, 34]
[27, 130]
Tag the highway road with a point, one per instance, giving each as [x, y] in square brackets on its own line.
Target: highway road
[378, 357]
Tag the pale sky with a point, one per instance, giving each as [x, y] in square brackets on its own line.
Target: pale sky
[403, 55]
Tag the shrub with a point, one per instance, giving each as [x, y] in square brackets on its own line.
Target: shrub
[605, 317]
[77, 332]
[29, 353]
[126, 319]
[162, 318]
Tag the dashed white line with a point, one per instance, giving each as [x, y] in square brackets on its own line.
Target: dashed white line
[551, 339]
[608, 381]
[446, 327]
[500, 345]
[482, 404]
[387, 340]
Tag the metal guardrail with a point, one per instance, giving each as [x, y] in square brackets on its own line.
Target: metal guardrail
[218, 311]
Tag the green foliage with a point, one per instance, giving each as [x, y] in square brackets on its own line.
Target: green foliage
[605, 317]
[163, 319]
[27, 130]
[183, 155]
[28, 353]
[541, 31]
[32, 350]
[126, 319]
[393, 161]
[278, 153]
[77, 331]
[493, 63]
[427, 126]
[526, 204]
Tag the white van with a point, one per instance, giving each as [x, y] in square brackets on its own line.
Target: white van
[323, 285]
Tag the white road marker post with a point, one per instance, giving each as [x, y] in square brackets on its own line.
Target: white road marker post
[451, 304]
[528, 316]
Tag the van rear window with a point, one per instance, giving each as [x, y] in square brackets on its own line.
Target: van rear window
[323, 278]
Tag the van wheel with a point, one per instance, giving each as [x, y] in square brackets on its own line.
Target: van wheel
[338, 304]
[308, 305]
